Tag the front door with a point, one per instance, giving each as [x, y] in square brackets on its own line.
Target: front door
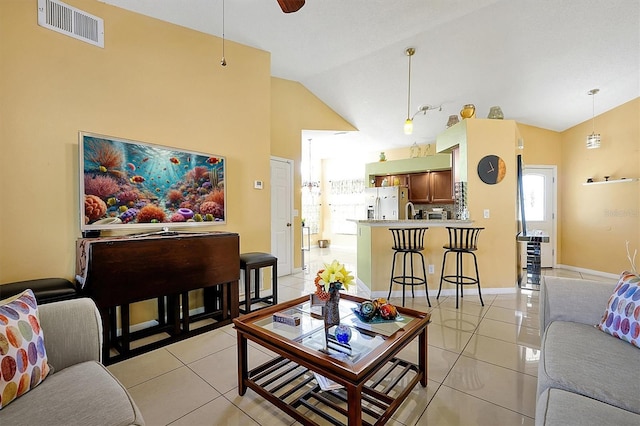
[281, 213]
[539, 188]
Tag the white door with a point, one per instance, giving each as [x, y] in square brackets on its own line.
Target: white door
[539, 188]
[281, 213]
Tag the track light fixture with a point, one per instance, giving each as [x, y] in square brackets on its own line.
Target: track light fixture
[424, 108]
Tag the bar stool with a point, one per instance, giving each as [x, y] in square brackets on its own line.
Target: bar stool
[254, 261]
[461, 241]
[408, 241]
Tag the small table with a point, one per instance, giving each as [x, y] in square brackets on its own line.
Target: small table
[372, 382]
[119, 271]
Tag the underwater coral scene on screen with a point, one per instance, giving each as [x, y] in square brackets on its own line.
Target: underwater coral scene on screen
[133, 184]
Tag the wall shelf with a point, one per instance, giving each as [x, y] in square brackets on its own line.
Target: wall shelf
[612, 181]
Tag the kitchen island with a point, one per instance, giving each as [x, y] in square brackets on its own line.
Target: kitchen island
[375, 254]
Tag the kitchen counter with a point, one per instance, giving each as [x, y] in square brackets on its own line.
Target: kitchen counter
[375, 254]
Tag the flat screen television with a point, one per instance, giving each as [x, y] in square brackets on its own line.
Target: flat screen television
[132, 185]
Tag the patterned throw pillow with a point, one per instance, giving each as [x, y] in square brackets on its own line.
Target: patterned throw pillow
[23, 360]
[621, 319]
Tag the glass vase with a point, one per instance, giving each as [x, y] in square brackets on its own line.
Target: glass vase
[331, 308]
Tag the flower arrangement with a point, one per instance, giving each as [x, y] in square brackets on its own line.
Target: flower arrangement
[334, 273]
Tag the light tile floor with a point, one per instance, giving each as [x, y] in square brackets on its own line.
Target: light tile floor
[482, 364]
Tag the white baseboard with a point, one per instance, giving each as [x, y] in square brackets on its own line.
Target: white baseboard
[444, 292]
[588, 271]
[365, 290]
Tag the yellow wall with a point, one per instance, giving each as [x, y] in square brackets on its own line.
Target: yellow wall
[598, 219]
[541, 146]
[153, 82]
[294, 109]
[497, 242]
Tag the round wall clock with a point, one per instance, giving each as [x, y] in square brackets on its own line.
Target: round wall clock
[491, 169]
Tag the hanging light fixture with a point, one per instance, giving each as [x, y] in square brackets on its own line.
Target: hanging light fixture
[408, 124]
[593, 140]
[309, 182]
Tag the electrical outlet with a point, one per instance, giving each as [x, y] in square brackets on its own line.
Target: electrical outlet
[486, 214]
[431, 269]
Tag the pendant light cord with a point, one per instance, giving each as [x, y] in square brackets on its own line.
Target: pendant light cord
[593, 93]
[223, 62]
[593, 113]
[409, 90]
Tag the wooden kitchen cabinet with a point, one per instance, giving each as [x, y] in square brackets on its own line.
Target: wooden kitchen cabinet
[441, 186]
[392, 180]
[419, 187]
[431, 187]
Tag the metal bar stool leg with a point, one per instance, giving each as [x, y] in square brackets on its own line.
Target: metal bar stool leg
[404, 274]
[413, 293]
[444, 262]
[475, 261]
[393, 269]
[459, 280]
[426, 285]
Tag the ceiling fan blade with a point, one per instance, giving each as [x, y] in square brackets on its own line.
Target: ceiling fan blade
[289, 6]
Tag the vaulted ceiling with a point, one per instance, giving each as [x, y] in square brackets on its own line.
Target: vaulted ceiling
[537, 59]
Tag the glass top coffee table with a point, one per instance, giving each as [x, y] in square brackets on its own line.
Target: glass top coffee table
[316, 375]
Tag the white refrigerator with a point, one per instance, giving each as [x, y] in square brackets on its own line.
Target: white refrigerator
[386, 202]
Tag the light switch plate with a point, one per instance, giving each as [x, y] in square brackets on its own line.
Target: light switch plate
[486, 214]
[257, 184]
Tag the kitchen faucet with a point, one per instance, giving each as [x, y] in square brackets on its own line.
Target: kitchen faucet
[409, 207]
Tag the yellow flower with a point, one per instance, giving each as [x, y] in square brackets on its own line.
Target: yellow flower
[335, 272]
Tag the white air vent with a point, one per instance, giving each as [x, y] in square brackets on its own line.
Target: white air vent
[65, 19]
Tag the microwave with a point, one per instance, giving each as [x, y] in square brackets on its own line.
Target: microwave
[437, 215]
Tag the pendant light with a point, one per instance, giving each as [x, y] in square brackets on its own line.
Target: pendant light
[408, 124]
[309, 182]
[593, 140]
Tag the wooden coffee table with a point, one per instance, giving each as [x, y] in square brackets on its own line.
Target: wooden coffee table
[372, 381]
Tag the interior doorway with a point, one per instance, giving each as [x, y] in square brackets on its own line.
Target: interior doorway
[540, 201]
[282, 213]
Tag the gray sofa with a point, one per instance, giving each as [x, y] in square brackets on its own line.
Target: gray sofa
[81, 391]
[585, 376]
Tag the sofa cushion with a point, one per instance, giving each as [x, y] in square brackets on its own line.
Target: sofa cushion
[23, 359]
[558, 407]
[621, 318]
[83, 394]
[579, 358]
